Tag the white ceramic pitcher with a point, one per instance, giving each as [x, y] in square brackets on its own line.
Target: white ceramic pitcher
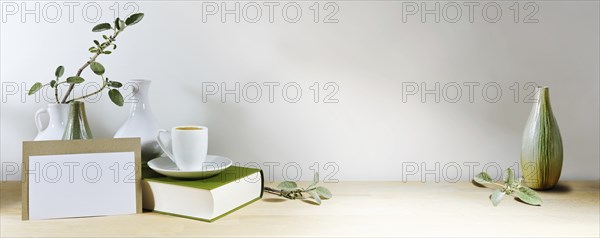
[56, 125]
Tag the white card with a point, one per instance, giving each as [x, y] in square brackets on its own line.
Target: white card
[80, 185]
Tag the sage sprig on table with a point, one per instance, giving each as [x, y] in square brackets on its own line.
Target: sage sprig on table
[290, 190]
[513, 187]
[97, 49]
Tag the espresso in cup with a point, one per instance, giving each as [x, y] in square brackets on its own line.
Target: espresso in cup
[188, 128]
[188, 146]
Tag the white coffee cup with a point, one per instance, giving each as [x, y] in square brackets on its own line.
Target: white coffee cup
[188, 147]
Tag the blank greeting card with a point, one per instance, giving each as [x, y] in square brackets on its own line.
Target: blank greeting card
[80, 178]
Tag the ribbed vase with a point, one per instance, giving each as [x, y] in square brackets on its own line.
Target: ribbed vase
[542, 150]
[77, 125]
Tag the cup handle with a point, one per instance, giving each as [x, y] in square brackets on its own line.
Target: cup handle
[38, 119]
[163, 146]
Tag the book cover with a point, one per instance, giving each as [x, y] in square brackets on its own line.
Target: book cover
[205, 199]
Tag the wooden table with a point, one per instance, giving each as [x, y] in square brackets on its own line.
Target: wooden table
[357, 209]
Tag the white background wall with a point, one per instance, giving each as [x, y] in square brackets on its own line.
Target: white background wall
[369, 54]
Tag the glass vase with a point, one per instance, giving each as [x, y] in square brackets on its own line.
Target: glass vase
[77, 125]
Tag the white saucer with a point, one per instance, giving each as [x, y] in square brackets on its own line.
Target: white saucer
[213, 165]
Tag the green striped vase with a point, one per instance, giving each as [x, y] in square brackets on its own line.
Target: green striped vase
[77, 125]
[541, 151]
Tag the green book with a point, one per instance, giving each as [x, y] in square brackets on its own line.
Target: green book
[205, 199]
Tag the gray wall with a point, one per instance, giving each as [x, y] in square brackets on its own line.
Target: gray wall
[375, 131]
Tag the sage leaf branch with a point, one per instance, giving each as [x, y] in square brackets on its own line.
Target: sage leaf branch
[290, 190]
[511, 186]
[99, 48]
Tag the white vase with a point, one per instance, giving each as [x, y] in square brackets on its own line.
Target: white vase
[57, 114]
[141, 122]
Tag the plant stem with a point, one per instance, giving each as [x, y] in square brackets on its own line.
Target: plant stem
[272, 190]
[286, 194]
[56, 91]
[64, 100]
[101, 49]
[91, 94]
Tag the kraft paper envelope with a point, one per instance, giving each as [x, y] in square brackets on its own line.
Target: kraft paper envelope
[80, 178]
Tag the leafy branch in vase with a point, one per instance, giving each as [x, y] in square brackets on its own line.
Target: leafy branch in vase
[97, 49]
[513, 187]
[290, 190]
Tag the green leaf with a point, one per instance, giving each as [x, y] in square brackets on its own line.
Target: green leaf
[115, 84]
[97, 68]
[114, 47]
[287, 185]
[119, 24]
[483, 178]
[52, 83]
[107, 52]
[59, 71]
[315, 196]
[508, 176]
[116, 97]
[497, 197]
[97, 42]
[529, 196]
[134, 19]
[105, 37]
[35, 87]
[75, 79]
[324, 192]
[102, 27]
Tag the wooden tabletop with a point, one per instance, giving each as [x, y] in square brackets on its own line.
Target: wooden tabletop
[356, 209]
